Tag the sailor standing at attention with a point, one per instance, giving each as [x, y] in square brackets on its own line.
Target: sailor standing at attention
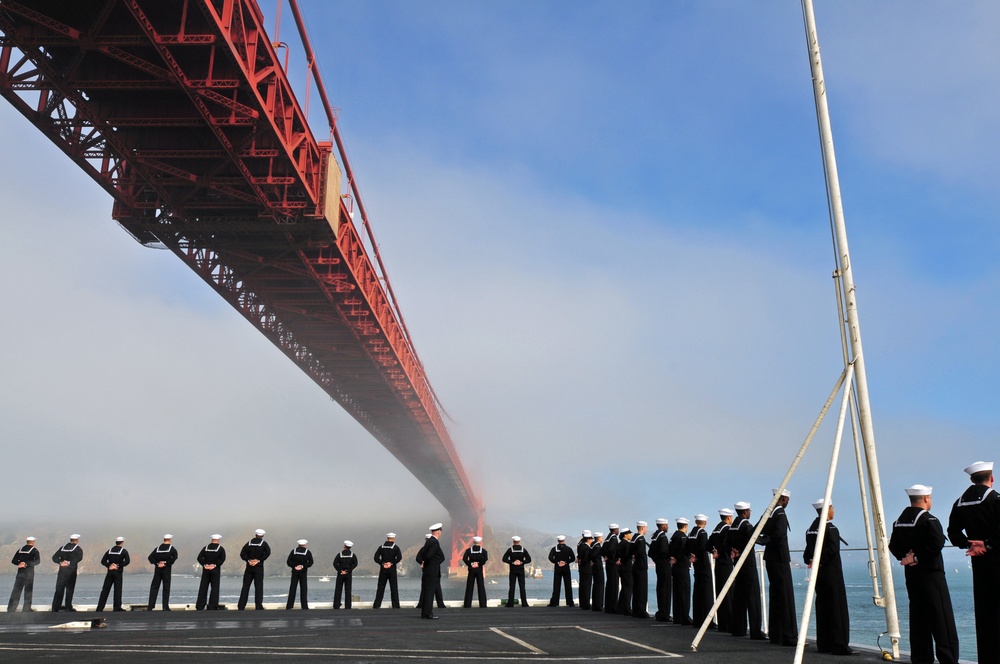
[26, 559]
[162, 558]
[300, 559]
[430, 557]
[973, 525]
[516, 557]
[344, 563]
[561, 557]
[609, 551]
[585, 567]
[475, 558]
[211, 557]
[640, 571]
[782, 627]
[116, 559]
[388, 557]
[721, 554]
[254, 553]
[916, 542]
[746, 588]
[597, 565]
[680, 573]
[68, 557]
[659, 552]
[833, 622]
[701, 562]
[623, 560]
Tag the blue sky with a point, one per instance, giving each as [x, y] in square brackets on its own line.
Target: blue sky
[607, 230]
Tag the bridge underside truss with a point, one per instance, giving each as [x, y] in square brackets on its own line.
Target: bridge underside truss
[181, 111]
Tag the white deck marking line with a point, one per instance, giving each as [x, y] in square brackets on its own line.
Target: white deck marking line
[533, 649]
[631, 643]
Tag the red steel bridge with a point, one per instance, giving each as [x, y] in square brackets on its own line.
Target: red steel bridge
[183, 112]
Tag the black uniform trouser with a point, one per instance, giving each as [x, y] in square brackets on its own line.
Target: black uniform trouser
[562, 575]
[209, 580]
[833, 622]
[640, 592]
[985, 593]
[65, 585]
[781, 625]
[160, 575]
[254, 575]
[701, 596]
[746, 602]
[113, 578]
[385, 575]
[724, 614]
[931, 618]
[680, 582]
[611, 587]
[299, 580]
[25, 580]
[516, 576]
[597, 595]
[586, 583]
[344, 582]
[624, 606]
[429, 585]
[475, 579]
[663, 590]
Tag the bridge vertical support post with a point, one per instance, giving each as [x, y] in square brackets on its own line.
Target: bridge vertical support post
[463, 529]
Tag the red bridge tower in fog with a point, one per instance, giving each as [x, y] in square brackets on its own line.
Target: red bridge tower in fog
[182, 111]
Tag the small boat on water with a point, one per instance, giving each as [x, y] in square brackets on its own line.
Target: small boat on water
[324, 579]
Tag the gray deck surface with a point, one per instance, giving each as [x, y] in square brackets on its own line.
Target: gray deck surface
[365, 635]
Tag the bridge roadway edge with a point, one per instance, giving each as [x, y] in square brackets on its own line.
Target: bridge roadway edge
[366, 635]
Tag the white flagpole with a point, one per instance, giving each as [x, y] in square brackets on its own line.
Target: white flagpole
[853, 325]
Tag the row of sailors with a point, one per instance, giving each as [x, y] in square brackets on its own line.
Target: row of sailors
[211, 558]
[614, 571]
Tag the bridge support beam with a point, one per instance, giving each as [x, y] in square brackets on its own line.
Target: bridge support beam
[463, 529]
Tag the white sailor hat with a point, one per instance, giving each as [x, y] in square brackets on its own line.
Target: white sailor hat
[74, 536]
[662, 522]
[560, 538]
[919, 490]
[217, 536]
[515, 538]
[626, 532]
[700, 517]
[681, 521]
[784, 492]
[390, 535]
[742, 505]
[436, 526]
[119, 539]
[818, 503]
[477, 538]
[30, 538]
[640, 524]
[302, 542]
[979, 467]
[348, 543]
[259, 532]
[587, 534]
[613, 526]
[166, 536]
[598, 534]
